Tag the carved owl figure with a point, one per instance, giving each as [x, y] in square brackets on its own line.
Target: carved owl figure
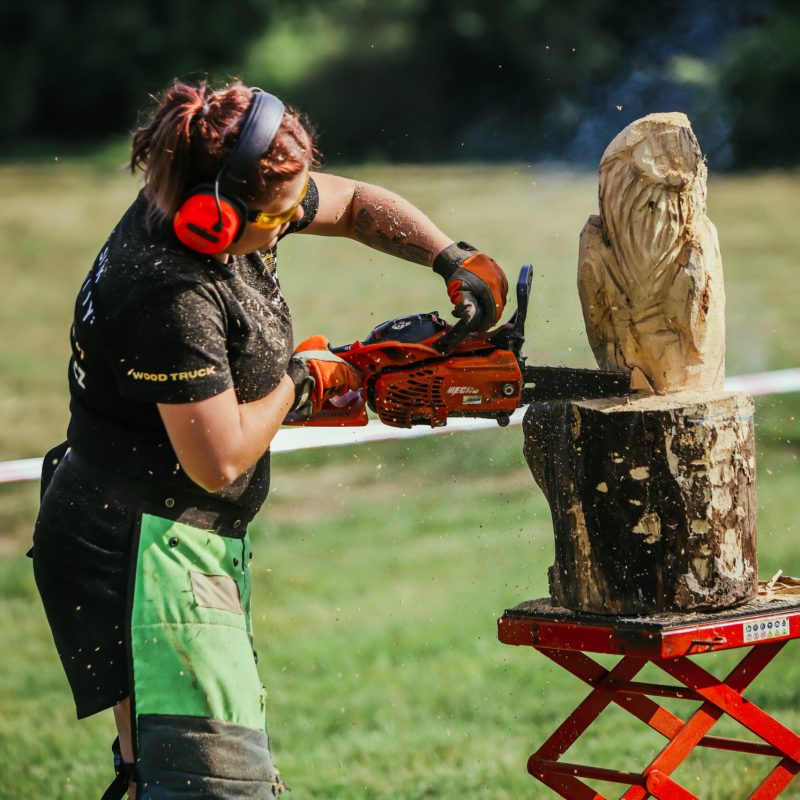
[649, 266]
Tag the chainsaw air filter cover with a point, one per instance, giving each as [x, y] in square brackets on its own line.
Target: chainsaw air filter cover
[409, 329]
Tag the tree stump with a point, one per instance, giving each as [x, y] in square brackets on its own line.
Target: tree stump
[652, 499]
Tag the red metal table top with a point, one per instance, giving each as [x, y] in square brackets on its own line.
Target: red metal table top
[537, 623]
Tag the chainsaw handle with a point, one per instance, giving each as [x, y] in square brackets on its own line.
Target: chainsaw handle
[524, 283]
[463, 328]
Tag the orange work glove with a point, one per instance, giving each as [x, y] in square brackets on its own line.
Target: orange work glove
[318, 375]
[476, 284]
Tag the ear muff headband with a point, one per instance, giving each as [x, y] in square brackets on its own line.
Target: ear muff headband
[213, 216]
[255, 137]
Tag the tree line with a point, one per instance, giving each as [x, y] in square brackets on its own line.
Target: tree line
[420, 80]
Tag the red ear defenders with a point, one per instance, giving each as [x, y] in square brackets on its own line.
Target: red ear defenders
[213, 216]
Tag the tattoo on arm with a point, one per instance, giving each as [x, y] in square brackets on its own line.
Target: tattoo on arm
[398, 243]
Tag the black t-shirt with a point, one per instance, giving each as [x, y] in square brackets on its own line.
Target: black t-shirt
[156, 322]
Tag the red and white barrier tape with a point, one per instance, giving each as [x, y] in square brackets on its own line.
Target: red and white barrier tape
[289, 439]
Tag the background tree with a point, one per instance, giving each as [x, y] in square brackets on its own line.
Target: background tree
[80, 69]
[421, 80]
[761, 80]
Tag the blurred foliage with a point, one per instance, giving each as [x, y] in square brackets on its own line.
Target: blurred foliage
[762, 79]
[423, 80]
[451, 79]
[80, 69]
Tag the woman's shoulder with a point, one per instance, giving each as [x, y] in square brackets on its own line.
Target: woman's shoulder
[151, 245]
[140, 265]
[149, 252]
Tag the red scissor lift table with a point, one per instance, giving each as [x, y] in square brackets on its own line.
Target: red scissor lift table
[764, 625]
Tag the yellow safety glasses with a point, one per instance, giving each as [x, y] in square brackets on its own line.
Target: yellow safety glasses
[261, 219]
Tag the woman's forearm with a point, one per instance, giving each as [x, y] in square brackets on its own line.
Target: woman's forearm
[387, 222]
[216, 440]
[262, 419]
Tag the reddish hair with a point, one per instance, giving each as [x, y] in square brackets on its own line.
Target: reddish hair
[190, 131]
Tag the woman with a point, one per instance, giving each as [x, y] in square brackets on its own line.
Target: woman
[182, 371]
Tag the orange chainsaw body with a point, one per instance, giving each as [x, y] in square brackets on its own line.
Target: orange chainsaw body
[412, 383]
[461, 385]
[419, 370]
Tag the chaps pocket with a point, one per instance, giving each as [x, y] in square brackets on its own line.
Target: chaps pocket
[216, 591]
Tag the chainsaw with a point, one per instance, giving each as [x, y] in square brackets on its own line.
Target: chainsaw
[420, 370]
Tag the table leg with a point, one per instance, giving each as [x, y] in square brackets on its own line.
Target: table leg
[777, 780]
[586, 712]
[703, 719]
[643, 708]
[662, 787]
[721, 696]
[726, 695]
[578, 721]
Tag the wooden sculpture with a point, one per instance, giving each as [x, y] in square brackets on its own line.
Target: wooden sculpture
[649, 269]
[653, 494]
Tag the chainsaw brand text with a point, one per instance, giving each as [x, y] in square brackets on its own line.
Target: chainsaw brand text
[462, 390]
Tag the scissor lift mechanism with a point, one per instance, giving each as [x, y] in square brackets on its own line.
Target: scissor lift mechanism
[664, 640]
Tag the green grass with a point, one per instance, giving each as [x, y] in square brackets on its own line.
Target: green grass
[380, 570]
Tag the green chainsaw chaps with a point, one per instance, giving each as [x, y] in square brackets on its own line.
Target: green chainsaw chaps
[198, 706]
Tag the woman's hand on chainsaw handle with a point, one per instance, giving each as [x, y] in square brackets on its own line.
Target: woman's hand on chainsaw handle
[476, 284]
[319, 374]
[387, 222]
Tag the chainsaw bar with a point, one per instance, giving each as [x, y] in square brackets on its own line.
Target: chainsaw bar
[541, 384]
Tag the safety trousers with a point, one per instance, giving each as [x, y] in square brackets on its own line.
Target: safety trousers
[197, 703]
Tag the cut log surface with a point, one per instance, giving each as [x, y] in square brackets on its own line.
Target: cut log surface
[653, 500]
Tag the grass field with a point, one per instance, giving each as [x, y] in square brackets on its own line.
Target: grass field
[380, 570]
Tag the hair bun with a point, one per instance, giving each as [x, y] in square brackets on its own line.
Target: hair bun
[201, 112]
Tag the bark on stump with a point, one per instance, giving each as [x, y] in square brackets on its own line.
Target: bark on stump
[652, 498]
